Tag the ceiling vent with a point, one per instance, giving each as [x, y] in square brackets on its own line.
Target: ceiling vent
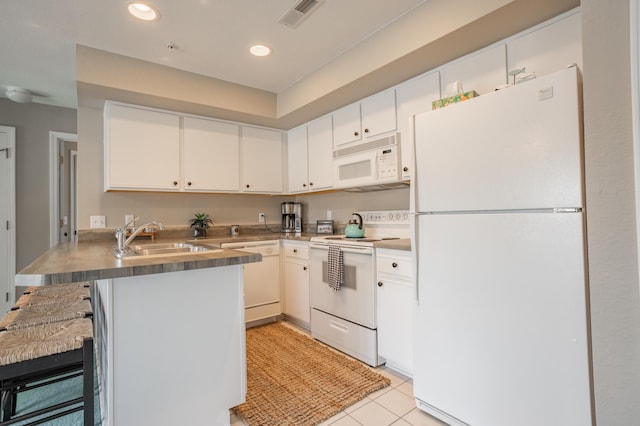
[298, 12]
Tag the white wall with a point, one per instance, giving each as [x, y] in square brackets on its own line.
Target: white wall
[613, 264]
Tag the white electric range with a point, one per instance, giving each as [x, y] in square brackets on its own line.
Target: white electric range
[346, 318]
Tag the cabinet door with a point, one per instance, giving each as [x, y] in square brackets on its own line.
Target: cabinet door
[379, 113]
[395, 326]
[296, 275]
[141, 149]
[346, 125]
[320, 143]
[414, 97]
[261, 160]
[297, 159]
[481, 71]
[211, 155]
[548, 49]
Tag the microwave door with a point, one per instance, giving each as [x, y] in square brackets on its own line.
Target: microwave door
[355, 170]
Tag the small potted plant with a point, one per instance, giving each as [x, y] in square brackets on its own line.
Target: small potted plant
[200, 223]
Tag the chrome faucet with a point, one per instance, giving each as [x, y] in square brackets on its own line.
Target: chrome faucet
[122, 248]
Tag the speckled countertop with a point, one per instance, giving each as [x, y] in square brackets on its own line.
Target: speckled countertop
[91, 258]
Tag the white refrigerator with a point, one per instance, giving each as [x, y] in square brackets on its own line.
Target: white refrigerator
[501, 331]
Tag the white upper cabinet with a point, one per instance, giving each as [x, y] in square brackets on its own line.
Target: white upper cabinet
[347, 125]
[261, 160]
[297, 159]
[482, 71]
[414, 97]
[310, 155]
[549, 48]
[379, 114]
[211, 155]
[370, 117]
[320, 153]
[141, 149]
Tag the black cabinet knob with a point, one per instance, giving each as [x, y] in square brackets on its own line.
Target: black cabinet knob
[189, 183]
[405, 169]
[247, 185]
[380, 284]
[175, 183]
[366, 130]
[304, 268]
[356, 134]
[394, 264]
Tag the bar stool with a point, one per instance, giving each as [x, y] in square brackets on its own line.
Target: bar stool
[43, 352]
[52, 295]
[47, 313]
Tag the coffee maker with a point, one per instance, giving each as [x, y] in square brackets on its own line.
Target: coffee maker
[291, 216]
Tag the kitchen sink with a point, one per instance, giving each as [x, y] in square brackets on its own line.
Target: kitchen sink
[168, 249]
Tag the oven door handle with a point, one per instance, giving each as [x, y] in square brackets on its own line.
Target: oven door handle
[357, 250]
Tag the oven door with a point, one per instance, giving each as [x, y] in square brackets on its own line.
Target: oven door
[355, 301]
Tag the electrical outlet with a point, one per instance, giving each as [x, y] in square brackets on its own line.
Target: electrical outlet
[329, 215]
[129, 221]
[97, 222]
[261, 217]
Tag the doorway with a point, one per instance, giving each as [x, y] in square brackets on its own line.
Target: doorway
[7, 218]
[63, 153]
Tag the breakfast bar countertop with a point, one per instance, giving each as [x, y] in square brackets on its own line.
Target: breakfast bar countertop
[92, 260]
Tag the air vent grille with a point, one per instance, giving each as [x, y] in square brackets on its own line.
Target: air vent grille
[298, 12]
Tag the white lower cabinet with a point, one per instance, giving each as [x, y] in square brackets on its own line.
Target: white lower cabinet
[395, 300]
[296, 281]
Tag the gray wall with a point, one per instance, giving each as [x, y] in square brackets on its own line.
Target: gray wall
[33, 122]
[611, 213]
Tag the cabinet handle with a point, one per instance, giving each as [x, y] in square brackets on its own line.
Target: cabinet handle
[405, 169]
[394, 264]
[380, 284]
[189, 183]
[366, 130]
[175, 183]
[356, 134]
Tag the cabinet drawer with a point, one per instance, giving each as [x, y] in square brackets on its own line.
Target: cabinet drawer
[398, 266]
[297, 252]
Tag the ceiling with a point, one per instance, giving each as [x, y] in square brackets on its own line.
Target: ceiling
[211, 37]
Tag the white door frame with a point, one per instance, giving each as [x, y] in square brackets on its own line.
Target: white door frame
[11, 261]
[54, 174]
[73, 224]
[634, 54]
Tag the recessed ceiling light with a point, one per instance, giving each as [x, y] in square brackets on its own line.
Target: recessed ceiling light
[259, 50]
[143, 11]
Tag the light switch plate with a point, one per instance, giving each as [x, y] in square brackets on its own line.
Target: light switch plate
[97, 222]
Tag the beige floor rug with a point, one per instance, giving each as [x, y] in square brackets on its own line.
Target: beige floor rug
[294, 380]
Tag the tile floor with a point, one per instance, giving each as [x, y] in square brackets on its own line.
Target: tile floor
[393, 405]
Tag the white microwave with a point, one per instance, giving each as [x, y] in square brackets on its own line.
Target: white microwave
[372, 163]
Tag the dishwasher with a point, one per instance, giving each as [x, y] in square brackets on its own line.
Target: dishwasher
[261, 279]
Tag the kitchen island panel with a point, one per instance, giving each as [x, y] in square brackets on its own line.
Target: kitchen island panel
[175, 350]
